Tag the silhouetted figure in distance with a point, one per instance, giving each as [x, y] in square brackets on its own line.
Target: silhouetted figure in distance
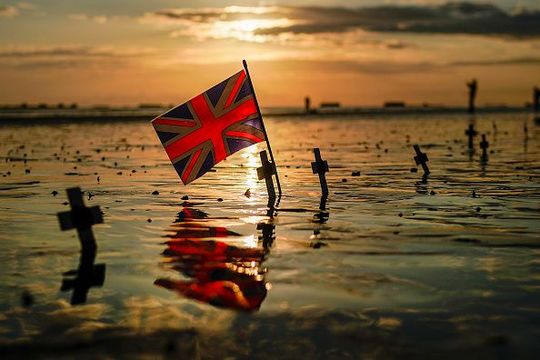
[307, 102]
[473, 85]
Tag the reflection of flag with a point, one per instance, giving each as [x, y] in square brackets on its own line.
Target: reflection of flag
[204, 131]
[247, 296]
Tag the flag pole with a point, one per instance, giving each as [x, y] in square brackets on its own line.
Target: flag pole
[244, 62]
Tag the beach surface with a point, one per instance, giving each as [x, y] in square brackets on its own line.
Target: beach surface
[390, 266]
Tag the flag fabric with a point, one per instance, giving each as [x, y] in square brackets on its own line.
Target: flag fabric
[213, 125]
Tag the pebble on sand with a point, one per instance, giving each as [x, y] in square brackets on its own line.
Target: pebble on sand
[27, 171]
[432, 192]
[355, 173]
[54, 193]
[149, 220]
[155, 192]
[247, 193]
[343, 180]
[219, 199]
[414, 170]
[185, 197]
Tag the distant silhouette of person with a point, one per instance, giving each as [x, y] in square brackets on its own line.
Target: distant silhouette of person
[536, 99]
[307, 102]
[473, 86]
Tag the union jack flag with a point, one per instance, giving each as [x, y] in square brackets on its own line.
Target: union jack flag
[213, 125]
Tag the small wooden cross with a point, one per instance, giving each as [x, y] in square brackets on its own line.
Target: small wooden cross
[471, 133]
[82, 218]
[320, 166]
[266, 171]
[484, 144]
[421, 159]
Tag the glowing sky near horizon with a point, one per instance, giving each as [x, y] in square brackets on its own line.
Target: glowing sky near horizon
[356, 52]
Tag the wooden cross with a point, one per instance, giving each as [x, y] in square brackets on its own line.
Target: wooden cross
[471, 133]
[320, 166]
[484, 144]
[81, 218]
[266, 171]
[421, 159]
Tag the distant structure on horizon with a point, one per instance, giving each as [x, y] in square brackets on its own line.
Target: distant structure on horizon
[330, 104]
[40, 106]
[151, 106]
[394, 104]
[307, 104]
[473, 87]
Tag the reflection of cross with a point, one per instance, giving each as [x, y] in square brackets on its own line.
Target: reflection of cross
[267, 234]
[86, 276]
[82, 218]
[471, 133]
[266, 171]
[484, 144]
[320, 166]
[421, 159]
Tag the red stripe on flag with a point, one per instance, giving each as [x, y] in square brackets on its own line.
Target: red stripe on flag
[235, 89]
[175, 122]
[190, 165]
[239, 134]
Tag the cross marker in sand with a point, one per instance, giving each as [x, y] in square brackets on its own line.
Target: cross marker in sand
[87, 275]
[484, 144]
[266, 171]
[471, 133]
[320, 166]
[80, 217]
[421, 159]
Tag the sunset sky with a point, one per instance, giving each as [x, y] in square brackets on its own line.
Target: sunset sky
[358, 52]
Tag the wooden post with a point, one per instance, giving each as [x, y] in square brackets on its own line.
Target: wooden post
[266, 171]
[421, 159]
[320, 166]
[244, 62]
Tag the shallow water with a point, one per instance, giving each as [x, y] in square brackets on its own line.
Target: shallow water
[393, 266]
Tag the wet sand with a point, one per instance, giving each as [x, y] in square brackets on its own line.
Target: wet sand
[393, 266]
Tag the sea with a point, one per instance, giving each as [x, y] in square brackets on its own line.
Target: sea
[391, 264]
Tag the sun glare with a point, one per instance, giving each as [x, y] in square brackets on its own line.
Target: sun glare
[245, 29]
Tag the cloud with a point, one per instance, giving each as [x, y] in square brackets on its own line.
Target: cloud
[446, 18]
[511, 61]
[68, 55]
[100, 19]
[8, 11]
[26, 6]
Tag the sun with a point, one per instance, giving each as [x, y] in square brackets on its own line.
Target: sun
[246, 29]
